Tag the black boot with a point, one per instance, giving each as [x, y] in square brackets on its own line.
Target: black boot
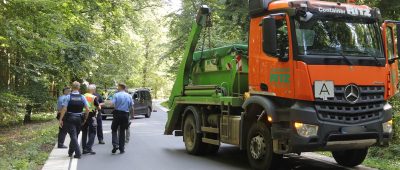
[114, 149]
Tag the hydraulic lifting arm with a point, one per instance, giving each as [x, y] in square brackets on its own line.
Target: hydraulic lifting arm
[182, 78]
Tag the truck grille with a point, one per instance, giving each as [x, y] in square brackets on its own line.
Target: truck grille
[368, 107]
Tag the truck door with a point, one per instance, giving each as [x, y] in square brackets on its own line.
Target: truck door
[276, 72]
[391, 51]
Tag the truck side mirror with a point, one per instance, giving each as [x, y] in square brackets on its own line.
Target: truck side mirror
[269, 42]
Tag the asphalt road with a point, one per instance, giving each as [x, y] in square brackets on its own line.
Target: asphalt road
[149, 149]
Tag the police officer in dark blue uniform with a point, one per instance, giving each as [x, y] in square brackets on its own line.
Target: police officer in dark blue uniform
[72, 117]
[122, 102]
[99, 118]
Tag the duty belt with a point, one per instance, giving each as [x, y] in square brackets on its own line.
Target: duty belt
[74, 114]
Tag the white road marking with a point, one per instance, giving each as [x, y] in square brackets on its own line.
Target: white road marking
[74, 161]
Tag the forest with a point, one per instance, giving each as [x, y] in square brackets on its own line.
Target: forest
[47, 44]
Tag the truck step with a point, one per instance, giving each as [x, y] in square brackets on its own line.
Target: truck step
[178, 133]
[210, 141]
[210, 129]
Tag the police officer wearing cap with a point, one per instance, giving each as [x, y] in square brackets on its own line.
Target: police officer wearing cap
[122, 102]
[90, 127]
[72, 117]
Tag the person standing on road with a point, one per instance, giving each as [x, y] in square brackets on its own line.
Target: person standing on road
[122, 102]
[71, 117]
[90, 127]
[99, 117]
[62, 131]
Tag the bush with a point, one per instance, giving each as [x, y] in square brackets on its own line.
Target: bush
[393, 151]
[12, 108]
[395, 102]
[10, 102]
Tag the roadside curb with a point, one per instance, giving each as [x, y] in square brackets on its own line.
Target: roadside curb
[164, 109]
[59, 160]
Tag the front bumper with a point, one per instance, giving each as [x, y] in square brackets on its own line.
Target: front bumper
[331, 136]
[107, 111]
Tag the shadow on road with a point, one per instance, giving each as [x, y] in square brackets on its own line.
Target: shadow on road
[233, 156]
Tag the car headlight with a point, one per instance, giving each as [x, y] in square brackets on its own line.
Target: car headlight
[306, 130]
[388, 126]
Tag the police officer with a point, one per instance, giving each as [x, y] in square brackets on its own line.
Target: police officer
[71, 117]
[62, 132]
[90, 127]
[122, 102]
[99, 117]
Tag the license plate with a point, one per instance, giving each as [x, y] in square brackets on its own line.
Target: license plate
[324, 89]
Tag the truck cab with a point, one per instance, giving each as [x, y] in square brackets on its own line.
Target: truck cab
[328, 69]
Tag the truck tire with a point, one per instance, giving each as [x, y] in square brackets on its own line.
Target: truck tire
[259, 146]
[148, 114]
[212, 149]
[192, 139]
[350, 158]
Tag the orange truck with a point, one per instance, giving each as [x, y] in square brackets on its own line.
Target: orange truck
[314, 76]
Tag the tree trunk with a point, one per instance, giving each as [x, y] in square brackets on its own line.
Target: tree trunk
[145, 69]
[28, 113]
[5, 69]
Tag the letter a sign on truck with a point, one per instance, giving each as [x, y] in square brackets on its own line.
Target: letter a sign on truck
[324, 89]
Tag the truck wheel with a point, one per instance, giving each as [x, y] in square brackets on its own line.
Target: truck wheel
[148, 114]
[259, 146]
[192, 139]
[350, 158]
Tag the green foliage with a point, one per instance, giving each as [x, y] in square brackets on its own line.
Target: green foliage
[9, 102]
[47, 44]
[393, 151]
[228, 27]
[164, 104]
[28, 147]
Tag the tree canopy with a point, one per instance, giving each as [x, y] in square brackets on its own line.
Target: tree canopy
[47, 44]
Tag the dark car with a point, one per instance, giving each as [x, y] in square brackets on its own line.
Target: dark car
[141, 98]
[143, 102]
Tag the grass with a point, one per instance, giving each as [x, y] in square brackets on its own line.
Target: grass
[382, 162]
[28, 146]
[14, 119]
[164, 104]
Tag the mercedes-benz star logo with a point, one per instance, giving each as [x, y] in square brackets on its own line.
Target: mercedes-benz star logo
[351, 93]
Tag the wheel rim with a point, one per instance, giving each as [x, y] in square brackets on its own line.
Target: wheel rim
[189, 135]
[257, 146]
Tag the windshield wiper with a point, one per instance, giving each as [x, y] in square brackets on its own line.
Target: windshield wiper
[378, 63]
[346, 58]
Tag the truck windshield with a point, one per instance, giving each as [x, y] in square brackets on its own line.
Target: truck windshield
[338, 38]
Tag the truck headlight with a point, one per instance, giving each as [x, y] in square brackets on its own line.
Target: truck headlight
[387, 106]
[306, 130]
[388, 126]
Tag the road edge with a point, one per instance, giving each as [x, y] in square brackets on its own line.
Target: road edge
[59, 160]
[158, 104]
